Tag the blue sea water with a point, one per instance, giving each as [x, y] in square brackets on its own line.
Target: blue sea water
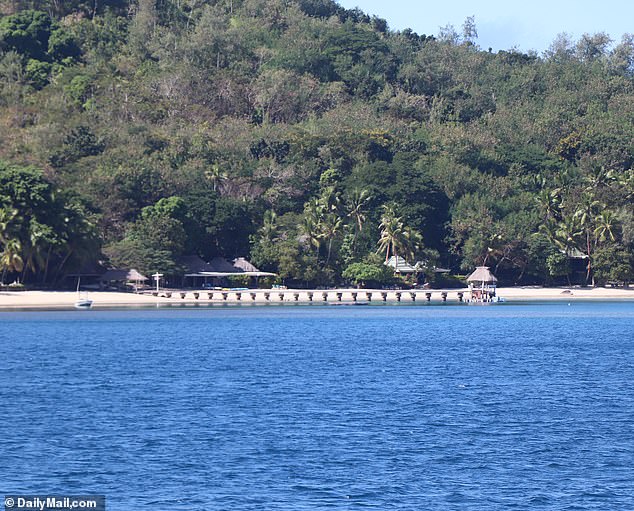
[317, 407]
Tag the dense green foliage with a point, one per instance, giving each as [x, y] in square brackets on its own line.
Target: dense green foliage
[308, 138]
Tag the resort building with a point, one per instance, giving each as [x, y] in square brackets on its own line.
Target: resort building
[216, 272]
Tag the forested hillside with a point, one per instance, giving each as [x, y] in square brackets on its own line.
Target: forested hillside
[309, 138]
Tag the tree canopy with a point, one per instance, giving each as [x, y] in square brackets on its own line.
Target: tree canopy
[307, 137]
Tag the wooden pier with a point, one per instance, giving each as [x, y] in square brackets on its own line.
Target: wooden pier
[340, 296]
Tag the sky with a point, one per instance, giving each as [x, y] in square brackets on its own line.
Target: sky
[503, 25]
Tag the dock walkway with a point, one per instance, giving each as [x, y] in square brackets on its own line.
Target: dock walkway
[312, 295]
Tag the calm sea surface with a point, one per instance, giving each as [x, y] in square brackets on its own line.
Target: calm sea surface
[321, 407]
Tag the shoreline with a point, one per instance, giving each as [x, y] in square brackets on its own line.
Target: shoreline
[43, 300]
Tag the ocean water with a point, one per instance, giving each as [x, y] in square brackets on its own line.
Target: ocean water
[320, 407]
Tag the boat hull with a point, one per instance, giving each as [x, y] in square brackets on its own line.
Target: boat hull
[83, 304]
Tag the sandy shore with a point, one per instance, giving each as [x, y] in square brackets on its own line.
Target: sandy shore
[57, 299]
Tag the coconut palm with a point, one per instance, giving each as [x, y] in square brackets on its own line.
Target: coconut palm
[413, 242]
[11, 258]
[330, 227]
[567, 234]
[357, 203]
[215, 175]
[391, 232]
[606, 222]
[599, 176]
[311, 224]
[586, 213]
[78, 239]
[37, 247]
[587, 209]
[395, 237]
[7, 217]
[269, 225]
[549, 201]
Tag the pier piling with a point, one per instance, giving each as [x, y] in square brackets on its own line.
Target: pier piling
[297, 295]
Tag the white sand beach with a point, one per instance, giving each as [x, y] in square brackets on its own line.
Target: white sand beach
[63, 299]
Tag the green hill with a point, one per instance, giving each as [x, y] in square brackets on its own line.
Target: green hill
[307, 137]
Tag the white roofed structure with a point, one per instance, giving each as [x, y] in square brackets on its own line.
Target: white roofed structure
[400, 265]
[219, 268]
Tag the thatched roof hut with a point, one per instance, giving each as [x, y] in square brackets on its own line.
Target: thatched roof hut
[131, 275]
[242, 264]
[221, 265]
[482, 274]
[482, 284]
[193, 264]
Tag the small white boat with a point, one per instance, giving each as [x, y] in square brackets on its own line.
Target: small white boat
[82, 302]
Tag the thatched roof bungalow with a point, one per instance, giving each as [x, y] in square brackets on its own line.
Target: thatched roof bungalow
[131, 275]
[122, 277]
[482, 285]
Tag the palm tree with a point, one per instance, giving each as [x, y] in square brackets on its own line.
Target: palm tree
[357, 203]
[311, 224]
[41, 239]
[269, 225]
[391, 232]
[395, 237]
[606, 224]
[330, 199]
[587, 209]
[7, 217]
[599, 176]
[215, 175]
[549, 202]
[330, 227]
[11, 258]
[78, 239]
[586, 214]
[567, 234]
[413, 242]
